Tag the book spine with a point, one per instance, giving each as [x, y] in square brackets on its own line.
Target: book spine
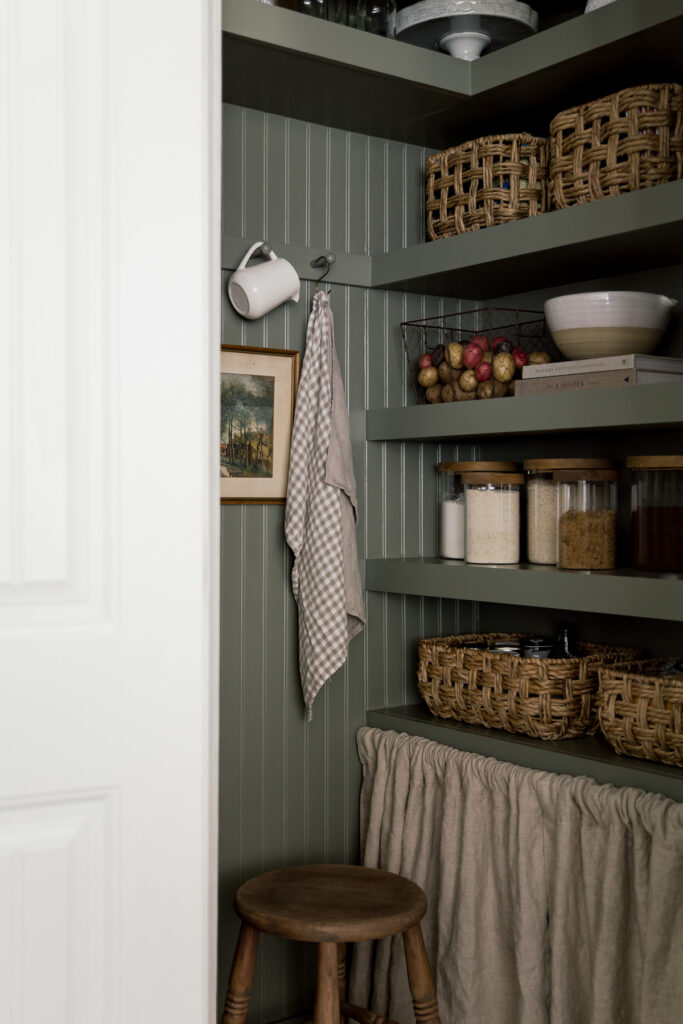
[578, 382]
[574, 366]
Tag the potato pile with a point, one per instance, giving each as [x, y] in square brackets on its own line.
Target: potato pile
[478, 369]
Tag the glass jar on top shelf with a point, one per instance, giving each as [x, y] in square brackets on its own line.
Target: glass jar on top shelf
[657, 512]
[451, 503]
[587, 523]
[492, 517]
[541, 504]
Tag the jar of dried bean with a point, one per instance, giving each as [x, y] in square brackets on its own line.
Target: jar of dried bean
[587, 524]
[657, 512]
[541, 504]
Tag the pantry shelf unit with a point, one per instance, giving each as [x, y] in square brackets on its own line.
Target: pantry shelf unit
[644, 407]
[621, 592]
[291, 64]
[630, 232]
[587, 755]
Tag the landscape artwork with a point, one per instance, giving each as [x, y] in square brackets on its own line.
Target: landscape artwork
[258, 391]
[247, 425]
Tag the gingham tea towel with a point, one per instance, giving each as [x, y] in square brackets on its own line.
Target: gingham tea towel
[322, 511]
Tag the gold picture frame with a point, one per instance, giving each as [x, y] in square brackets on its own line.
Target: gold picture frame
[258, 392]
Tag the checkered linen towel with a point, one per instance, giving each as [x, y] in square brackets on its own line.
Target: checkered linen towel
[322, 511]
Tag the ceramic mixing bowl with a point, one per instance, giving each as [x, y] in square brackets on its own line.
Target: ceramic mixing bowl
[593, 324]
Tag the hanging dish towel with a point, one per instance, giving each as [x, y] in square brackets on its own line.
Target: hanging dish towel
[322, 511]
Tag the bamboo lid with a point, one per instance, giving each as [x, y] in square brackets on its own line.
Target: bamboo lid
[477, 467]
[654, 462]
[569, 476]
[548, 465]
[492, 478]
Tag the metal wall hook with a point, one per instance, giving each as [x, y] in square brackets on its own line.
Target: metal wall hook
[325, 260]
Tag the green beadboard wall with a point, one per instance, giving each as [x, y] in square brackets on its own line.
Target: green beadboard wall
[289, 788]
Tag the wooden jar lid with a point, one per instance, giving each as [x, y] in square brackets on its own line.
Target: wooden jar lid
[548, 465]
[569, 476]
[493, 478]
[654, 462]
[477, 467]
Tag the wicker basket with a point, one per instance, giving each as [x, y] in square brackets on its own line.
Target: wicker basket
[630, 140]
[550, 699]
[641, 713]
[488, 181]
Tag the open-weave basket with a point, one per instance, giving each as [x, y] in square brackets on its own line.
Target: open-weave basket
[550, 699]
[641, 712]
[487, 181]
[623, 142]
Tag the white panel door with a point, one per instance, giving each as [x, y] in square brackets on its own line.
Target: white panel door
[109, 342]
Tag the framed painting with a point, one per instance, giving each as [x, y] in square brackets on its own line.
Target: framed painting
[258, 391]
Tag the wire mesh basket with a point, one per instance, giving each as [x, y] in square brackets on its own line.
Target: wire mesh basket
[525, 329]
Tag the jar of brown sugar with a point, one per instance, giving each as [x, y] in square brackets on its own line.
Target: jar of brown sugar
[657, 512]
[587, 518]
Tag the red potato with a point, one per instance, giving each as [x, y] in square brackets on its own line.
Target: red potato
[472, 356]
[520, 358]
[425, 360]
[483, 372]
[496, 343]
[481, 341]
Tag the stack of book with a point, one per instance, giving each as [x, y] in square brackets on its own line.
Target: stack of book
[605, 372]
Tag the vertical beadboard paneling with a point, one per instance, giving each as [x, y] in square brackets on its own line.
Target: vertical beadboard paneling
[289, 788]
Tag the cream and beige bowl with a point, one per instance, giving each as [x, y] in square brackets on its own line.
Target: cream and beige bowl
[593, 324]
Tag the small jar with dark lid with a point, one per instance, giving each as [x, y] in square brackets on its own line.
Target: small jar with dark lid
[451, 498]
[542, 512]
[657, 512]
[587, 527]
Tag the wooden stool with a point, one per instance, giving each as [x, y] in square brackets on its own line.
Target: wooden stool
[331, 904]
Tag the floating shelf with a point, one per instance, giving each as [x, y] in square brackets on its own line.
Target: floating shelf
[622, 592]
[647, 406]
[625, 233]
[298, 66]
[587, 755]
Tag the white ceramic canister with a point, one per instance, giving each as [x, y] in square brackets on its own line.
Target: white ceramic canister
[255, 290]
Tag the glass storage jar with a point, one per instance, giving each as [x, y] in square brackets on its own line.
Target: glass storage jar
[587, 525]
[492, 517]
[451, 498]
[657, 512]
[541, 504]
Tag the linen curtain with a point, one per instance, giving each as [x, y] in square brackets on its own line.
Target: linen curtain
[551, 899]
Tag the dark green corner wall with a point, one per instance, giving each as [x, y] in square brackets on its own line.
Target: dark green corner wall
[289, 788]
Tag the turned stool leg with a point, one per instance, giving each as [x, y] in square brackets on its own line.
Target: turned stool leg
[327, 990]
[241, 976]
[420, 977]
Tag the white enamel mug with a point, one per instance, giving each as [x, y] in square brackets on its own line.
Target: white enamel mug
[255, 290]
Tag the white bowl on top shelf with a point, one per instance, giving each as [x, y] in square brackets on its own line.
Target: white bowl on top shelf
[593, 324]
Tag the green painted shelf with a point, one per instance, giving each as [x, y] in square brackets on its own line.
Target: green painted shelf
[298, 66]
[622, 592]
[648, 406]
[588, 755]
[629, 232]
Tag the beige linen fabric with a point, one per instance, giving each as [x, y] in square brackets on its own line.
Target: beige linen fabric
[551, 900]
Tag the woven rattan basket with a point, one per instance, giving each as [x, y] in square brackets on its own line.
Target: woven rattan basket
[550, 699]
[641, 712]
[488, 181]
[623, 142]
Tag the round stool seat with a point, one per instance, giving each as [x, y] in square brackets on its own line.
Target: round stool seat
[330, 903]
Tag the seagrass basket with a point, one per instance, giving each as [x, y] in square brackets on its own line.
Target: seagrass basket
[492, 180]
[641, 712]
[629, 140]
[550, 699]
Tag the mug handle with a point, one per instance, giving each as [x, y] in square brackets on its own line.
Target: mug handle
[257, 245]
